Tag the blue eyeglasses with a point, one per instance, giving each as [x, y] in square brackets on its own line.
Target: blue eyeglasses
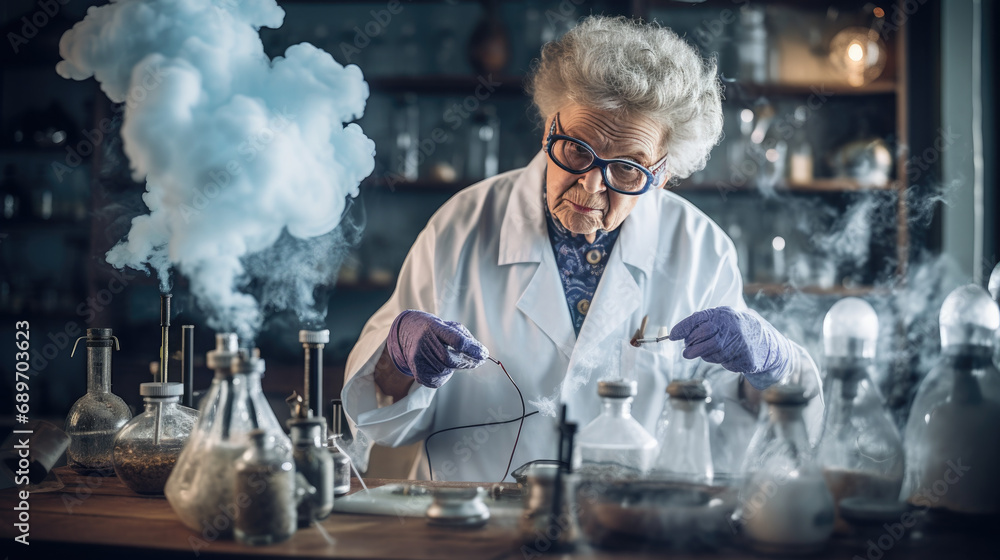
[620, 175]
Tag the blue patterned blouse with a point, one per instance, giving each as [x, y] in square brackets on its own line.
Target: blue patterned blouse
[580, 264]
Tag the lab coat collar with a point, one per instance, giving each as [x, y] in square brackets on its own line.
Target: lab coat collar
[523, 237]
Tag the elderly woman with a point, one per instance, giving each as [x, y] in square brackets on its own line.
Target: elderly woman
[553, 267]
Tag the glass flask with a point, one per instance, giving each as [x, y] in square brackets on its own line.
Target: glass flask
[615, 443]
[312, 461]
[335, 444]
[860, 451]
[200, 489]
[682, 433]
[785, 505]
[148, 447]
[96, 417]
[952, 441]
[266, 476]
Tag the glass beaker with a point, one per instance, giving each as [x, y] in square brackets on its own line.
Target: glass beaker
[148, 447]
[200, 488]
[96, 417]
[860, 451]
[682, 433]
[785, 506]
[265, 475]
[951, 436]
[615, 443]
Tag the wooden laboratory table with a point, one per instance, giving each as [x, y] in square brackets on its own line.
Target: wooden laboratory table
[100, 517]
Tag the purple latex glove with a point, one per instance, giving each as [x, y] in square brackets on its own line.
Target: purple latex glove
[739, 341]
[430, 349]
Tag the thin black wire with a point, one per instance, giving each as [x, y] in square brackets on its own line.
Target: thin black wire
[430, 468]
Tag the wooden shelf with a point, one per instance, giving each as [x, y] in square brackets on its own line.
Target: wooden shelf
[455, 84]
[736, 91]
[716, 4]
[81, 227]
[786, 289]
[423, 186]
[827, 185]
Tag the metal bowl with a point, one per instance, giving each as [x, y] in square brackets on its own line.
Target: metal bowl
[458, 507]
[631, 514]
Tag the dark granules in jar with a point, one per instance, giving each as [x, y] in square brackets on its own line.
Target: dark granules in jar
[146, 473]
[270, 515]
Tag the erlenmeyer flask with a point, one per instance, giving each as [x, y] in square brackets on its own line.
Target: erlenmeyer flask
[861, 452]
[952, 441]
[200, 488]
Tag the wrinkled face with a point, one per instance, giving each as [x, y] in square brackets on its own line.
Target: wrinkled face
[583, 203]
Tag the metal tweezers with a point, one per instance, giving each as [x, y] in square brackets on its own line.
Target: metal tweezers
[639, 337]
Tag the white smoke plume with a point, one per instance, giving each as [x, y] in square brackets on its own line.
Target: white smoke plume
[234, 148]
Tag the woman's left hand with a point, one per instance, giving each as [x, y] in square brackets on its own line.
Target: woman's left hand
[740, 341]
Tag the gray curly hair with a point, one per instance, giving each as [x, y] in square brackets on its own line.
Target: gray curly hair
[629, 67]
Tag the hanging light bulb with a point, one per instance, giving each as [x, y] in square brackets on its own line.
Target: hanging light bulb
[969, 317]
[858, 54]
[994, 285]
[850, 330]
[957, 409]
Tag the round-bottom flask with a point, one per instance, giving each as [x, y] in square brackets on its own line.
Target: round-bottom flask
[148, 447]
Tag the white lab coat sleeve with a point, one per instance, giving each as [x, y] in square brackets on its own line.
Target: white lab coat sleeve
[409, 419]
[738, 422]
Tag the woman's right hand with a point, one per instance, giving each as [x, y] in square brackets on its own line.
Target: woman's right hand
[429, 349]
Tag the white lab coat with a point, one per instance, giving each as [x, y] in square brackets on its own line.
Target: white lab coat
[485, 260]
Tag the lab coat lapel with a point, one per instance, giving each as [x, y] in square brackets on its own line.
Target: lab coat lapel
[619, 295]
[524, 242]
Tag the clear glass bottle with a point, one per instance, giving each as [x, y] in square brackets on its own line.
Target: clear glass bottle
[951, 435]
[266, 476]
[96, 417]
[615, 443]
[200, 488]
[860, 451]
[336, 443]
[785, 505]
[682, 433]
[312, 461]
[148, 447]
